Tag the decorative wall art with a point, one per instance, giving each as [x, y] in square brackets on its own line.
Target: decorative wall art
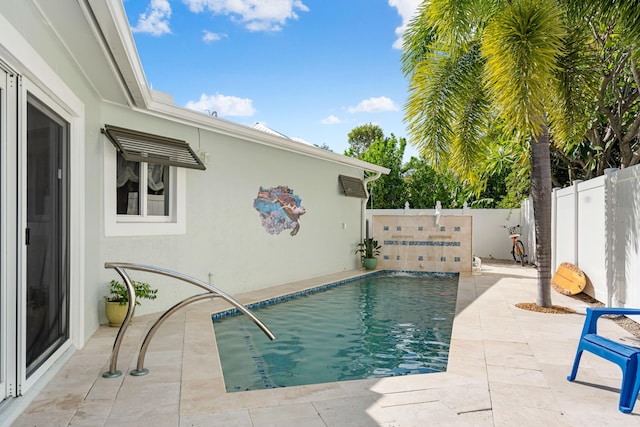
[279, 209]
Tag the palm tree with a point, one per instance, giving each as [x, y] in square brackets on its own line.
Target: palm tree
[472, 64]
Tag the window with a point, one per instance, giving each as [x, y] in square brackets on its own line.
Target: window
[154, 180]
[145, 183]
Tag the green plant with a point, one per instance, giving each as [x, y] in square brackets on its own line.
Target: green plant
[118, 292]
[369, 248]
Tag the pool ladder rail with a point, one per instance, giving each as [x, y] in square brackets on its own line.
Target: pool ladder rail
[212, 292]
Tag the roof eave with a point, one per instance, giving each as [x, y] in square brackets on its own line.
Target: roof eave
[219, 125]
[112, 20]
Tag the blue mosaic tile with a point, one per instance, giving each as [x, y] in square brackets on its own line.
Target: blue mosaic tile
[419, 243]
[288, 297]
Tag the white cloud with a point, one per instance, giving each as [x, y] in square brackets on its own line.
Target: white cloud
[330, 120]
[208, 36]
[256, 15]
[223, 105]
[374, 105]
[155, 20]
[406, 10]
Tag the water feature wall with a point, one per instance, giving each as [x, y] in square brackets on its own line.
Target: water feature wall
[434, 243]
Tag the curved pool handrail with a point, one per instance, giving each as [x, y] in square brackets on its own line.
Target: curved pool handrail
[140, 369]
[213, 292]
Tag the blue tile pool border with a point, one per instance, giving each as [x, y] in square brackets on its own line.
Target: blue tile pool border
[283, 298]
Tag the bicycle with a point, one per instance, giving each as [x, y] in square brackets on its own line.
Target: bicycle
[517, 251]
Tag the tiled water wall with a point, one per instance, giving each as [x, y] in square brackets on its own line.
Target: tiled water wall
[424, 242]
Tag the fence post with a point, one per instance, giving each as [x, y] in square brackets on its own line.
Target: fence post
[576, 217]
[554, 228]
[609, 229]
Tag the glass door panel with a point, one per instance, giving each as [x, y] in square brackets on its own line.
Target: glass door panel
[47, 293]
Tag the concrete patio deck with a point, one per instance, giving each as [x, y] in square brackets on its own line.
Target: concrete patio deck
[506, 367]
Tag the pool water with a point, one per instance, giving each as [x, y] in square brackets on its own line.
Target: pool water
[383, 325]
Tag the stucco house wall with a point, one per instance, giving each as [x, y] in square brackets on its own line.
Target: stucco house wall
[224, 233]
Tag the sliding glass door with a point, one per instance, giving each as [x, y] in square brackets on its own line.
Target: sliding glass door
[34, 233]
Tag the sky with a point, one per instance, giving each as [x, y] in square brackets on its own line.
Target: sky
[309, 69]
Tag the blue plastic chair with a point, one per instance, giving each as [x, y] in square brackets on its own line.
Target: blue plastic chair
[625, 356]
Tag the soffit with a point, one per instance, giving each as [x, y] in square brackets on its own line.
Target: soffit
[82, 42]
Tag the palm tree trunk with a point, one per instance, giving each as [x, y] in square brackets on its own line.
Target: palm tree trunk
[541, 195]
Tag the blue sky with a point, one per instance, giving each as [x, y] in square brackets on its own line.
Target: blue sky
[310, 69]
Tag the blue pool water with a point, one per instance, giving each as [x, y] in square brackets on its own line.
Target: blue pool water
[383, 325]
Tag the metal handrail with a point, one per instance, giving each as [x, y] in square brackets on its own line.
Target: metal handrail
[213, 292]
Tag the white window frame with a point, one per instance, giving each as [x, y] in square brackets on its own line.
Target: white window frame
[143, 225]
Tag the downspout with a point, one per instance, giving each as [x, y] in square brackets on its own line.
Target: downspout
[363, 222]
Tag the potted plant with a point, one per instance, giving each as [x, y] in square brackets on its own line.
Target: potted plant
[369, 250]
[117, 302]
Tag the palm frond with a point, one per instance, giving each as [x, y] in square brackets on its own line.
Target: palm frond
[458, 22]
[418, 41]
[577, 79]
[472, 114]
[439, 92]
[428, 110]
[522, 46]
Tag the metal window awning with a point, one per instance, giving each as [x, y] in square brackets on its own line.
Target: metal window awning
[144, 147]
[352, 186]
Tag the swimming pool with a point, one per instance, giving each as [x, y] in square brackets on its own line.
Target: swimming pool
[385, 324]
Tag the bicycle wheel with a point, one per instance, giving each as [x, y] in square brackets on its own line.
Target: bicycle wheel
[520, 252]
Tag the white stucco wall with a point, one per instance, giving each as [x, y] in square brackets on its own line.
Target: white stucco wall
[224, 236]
[489, 238]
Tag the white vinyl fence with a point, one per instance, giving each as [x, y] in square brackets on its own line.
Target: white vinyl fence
[596, 227]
